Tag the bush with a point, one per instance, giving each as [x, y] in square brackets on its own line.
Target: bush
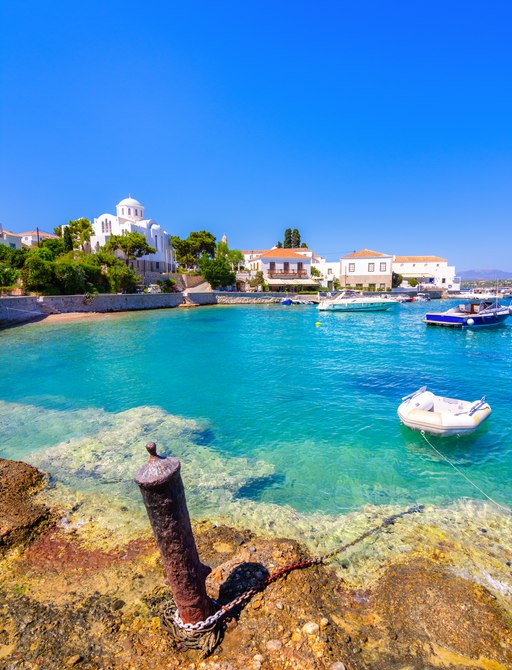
[8, 275]
[122, 278]
[70, 277]
[38, 274]
[167, 285]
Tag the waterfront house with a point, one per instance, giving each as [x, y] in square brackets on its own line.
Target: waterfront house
[366, 269]
[429, 271]
[130, 218]
[284, 269]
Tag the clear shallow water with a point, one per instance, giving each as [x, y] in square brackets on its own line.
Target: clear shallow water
[313, 408]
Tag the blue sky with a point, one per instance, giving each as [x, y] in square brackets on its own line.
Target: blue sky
[385, 125]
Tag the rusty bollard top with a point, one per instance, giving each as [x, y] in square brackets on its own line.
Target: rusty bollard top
[157, 470]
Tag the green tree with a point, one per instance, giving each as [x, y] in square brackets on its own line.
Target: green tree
[8, 275]
[69, 277]
[234, 257]
[55, 247]
[14, 258]
[81, 231]
[38, 274]
[413, 282]
[287, 238]
[167, 285]
[303, 245]
[122, 278]
[396, 280]
[217, 272]
[67, 239]
[258, 280]
[133, 245]
[279, 245]
[57, 231]
[191, 249]
[315, 272]
[295, 238]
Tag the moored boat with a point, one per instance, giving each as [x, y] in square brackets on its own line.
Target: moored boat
[472, 314]
[351, 301]
[436, 415]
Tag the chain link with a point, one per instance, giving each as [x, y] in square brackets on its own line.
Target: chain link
[247, 595]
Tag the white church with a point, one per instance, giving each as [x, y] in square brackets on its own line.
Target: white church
[130, 219]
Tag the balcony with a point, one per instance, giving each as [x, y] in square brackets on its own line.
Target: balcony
[287, 274]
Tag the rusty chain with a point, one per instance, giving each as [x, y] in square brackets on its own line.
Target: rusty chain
[247, 595]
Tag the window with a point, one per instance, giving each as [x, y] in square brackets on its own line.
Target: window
[329, 271]
[371, 267]
[382, 287]
[156, 242]
[122, 211]
[286, 266]
[383, 267]
[371, 287]
[157, 264]
[272, 266]
[136, 213]
[351, 267]
[300, 267]
[129, 212]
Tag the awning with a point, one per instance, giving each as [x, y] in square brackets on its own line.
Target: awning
[292, 282]
[416, 275]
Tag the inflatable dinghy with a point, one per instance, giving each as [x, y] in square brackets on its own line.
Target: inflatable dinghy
[433, 414]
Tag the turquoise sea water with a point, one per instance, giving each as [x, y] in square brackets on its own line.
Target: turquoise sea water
[312, 408]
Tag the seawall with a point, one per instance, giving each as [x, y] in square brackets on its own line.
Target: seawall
[20, 309]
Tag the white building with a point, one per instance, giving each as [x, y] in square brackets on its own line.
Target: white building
[33, 238]
[129, 218]
[329, 271]
[366, 269]
[283, 269]
[8, 239]
[429, 271]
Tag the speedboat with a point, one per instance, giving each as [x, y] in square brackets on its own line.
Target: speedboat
[422, 297]
[472, 314]
[351, 301]
[433, 414]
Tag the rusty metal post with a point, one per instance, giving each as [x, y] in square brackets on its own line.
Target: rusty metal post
[163, 493]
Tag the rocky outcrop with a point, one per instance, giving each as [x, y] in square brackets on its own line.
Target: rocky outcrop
[65, 602]
[21, 517]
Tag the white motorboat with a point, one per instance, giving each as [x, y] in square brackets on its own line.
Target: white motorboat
[351, 301]
[434, 414]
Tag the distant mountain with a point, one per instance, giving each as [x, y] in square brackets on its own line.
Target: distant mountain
[485, 275]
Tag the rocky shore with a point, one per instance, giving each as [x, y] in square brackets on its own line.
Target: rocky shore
[66, 602]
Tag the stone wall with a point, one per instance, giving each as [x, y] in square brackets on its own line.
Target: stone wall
[19, 309]
[28, 308]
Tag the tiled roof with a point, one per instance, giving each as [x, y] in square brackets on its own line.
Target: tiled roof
[281, 253]
[419, 259]
[34, 234]
[365, 253]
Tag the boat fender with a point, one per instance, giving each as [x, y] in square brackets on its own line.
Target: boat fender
[318, 323]
[470, 322]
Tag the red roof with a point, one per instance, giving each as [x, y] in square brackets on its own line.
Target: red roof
[34, 233]
[281, 253]
[366, 253]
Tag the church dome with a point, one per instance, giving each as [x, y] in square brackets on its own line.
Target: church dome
[129, 202]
